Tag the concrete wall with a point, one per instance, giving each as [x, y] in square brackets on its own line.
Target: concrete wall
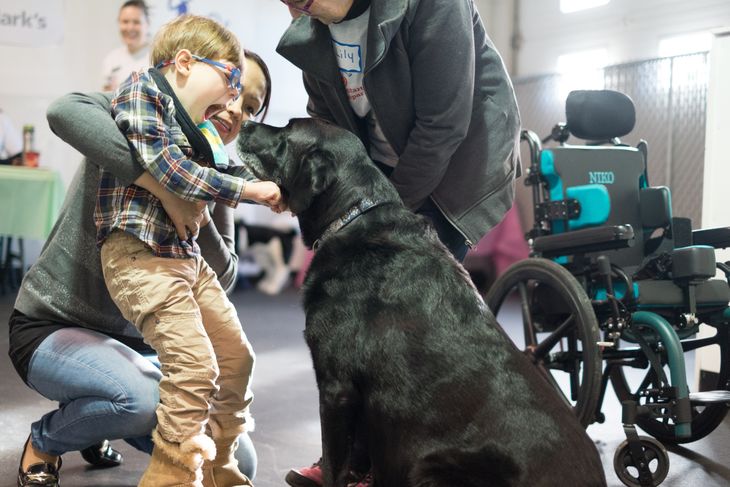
[628, 29]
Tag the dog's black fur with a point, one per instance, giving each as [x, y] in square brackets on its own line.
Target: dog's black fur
[404, 348]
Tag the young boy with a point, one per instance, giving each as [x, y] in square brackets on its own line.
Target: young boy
[158, 280]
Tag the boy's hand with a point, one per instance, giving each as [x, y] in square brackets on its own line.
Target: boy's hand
[264, 192]
[281, 207]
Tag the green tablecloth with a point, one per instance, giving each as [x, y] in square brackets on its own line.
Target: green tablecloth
[30, 199]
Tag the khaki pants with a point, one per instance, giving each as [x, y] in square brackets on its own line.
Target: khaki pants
[184, 314]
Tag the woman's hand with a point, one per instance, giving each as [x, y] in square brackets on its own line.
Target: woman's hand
[205, 217]
[187, 216]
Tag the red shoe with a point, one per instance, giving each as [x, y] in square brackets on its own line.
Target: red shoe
[306, 477]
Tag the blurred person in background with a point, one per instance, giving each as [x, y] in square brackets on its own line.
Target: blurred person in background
[134, 55]
[11, 142]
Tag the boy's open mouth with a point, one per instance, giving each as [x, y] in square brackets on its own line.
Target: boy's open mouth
[220, 124]
[213, 110]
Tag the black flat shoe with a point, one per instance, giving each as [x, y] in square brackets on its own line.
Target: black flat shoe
[40, 475]
[102, 455]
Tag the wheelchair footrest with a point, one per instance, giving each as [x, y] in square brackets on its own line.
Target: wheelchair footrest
[708, 397]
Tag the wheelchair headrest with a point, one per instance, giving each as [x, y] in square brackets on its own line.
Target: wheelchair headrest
[599, 114]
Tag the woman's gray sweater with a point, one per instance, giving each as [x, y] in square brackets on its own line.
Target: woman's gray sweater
[66, 283]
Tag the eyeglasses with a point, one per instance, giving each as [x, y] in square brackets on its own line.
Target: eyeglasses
[233, 74]
[305, 9]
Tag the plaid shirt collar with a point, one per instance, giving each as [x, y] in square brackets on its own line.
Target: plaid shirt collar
[200, 145]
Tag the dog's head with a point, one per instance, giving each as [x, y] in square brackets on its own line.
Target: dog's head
[299, 157]
[322, 169]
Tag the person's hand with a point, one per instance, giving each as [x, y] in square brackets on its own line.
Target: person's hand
[264, 192]
[187, 216]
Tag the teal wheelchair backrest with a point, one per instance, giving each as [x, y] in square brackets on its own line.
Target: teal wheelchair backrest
[606, 181]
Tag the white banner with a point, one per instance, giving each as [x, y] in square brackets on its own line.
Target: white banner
[31, 22]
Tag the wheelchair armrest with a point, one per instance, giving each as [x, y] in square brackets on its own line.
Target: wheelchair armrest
[718, 238]
[583, 241]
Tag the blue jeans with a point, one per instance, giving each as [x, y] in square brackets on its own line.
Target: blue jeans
[105, 390]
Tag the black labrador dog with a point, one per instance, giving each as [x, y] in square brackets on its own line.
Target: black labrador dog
[408, 359]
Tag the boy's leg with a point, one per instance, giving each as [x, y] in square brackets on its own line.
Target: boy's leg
[156, 295]
[235, 358]
[245, 454]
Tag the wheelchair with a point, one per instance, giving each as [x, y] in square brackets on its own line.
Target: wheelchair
[614, 278]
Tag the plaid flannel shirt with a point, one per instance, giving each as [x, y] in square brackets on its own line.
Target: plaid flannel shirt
[146, 116]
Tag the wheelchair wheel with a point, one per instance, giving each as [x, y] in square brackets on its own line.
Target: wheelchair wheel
[627, 470]
[705, 418]
[559, 327]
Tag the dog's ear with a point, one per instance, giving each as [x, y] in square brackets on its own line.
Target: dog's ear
[315, 174]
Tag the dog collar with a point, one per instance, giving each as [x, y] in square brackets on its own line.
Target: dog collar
[350, 215]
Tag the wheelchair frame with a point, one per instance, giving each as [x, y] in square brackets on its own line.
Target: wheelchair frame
[573, 294]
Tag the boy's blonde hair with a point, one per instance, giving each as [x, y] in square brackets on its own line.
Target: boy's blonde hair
[200, 35]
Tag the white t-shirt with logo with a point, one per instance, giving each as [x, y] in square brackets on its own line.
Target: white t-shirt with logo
[120, 63]
[349, 40]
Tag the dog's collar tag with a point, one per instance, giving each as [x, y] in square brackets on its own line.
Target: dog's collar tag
[346, 219]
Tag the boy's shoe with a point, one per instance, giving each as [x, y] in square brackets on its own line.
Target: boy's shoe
[306, 477]
[102, 455]
[39, 475]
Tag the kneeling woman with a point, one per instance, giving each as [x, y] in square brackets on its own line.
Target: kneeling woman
[68, 341]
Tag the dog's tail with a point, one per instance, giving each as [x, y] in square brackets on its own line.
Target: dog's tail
[466, 468]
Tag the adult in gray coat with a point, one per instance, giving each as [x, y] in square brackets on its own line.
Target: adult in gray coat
[424, 88]
[422, 85]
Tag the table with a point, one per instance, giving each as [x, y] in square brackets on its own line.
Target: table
[30, 199]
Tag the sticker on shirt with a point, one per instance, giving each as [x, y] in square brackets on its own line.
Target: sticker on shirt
[348, 57]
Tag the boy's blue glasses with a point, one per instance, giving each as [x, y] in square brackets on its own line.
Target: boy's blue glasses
[233, 74]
